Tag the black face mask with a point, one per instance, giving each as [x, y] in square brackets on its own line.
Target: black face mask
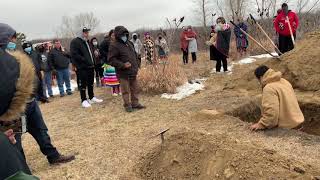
[285, 10]
[135, 37]
[160, 38]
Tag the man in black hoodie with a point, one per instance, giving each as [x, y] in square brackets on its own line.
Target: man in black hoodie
[123, 57]
[82, 58]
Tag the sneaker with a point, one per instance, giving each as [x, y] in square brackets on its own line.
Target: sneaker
[62, 95]
[218, 72]
[95, 100]
[129, 109]
[62, 159]
[139, 106]
[115, 94]
[86, 104]
[51, 96]
[69, 93]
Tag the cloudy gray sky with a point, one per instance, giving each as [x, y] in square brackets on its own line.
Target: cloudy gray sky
[39, 18]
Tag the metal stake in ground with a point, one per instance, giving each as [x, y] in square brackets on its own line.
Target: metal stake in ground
[265, 33]
[161, 134]
[244, 32]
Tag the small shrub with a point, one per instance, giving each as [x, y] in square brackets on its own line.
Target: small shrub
[161, 78]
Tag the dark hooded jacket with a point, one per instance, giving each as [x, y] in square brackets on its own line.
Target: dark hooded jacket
[104, 49]
[17, 75]
[80, 54]
[122, 52]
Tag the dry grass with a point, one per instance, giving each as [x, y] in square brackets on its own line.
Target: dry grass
[161, 78]
[165, 78]
[109, 143]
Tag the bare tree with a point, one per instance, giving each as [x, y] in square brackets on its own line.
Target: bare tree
[70, 26]
[233, 9]
[172, 28]
[203, 11]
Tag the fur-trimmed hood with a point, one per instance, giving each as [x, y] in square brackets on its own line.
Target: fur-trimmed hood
[24, 87]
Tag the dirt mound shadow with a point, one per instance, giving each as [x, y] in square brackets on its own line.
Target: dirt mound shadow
[201, 156]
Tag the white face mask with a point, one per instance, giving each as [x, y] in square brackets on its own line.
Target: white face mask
[95, 43]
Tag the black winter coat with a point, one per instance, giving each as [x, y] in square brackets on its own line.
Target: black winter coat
[80, 54]
[36, 60]
[9, 70]
[59, 59]
[104, 50]
[121, 53]
[223, 41]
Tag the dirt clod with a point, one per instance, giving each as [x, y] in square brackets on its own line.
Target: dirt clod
[300, 170]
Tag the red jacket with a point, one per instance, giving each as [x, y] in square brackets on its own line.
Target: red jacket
[281, 25]
[183, 41]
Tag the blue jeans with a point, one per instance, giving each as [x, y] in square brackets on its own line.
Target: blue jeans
[63, 77]
[38, 129]
[48, 82]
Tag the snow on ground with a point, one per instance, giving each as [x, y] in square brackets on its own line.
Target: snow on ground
[186, 90]
[248, 60]
[55, 89]
[265, 55]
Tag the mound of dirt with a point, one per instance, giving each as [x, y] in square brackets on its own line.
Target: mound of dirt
[193, 155]
[301, 66]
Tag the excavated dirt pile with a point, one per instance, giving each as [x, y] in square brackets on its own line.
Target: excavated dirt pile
[301, 66]
[193, 155]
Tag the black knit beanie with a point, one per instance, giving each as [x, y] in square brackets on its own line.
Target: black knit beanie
[261, 70]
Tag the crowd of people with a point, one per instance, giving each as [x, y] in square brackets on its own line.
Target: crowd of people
[115, 62]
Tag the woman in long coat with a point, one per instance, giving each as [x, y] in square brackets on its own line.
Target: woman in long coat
[220, 50]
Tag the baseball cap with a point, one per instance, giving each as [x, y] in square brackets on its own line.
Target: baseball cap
[85, 29]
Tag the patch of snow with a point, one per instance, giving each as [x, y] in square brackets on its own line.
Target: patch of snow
[186, 90]
[264, 55]
[248, 60]
[55, 89]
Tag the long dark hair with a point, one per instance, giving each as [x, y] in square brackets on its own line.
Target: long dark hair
[222, 19]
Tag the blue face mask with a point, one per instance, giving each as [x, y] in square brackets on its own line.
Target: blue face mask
[11, 46]
[124, 39]
[28, 50]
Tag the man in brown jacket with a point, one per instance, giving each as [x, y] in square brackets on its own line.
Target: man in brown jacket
[123, 57]
[280, 106]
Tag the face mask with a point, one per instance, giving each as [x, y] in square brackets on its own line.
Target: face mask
[124, 38]
[95, 43]
[160, 38]
[218, 27]
[135, 37]
[11, 46]
[28, 50]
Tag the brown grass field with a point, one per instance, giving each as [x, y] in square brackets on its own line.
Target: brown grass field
[205, 141]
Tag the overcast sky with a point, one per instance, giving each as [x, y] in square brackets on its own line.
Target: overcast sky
[39, 18]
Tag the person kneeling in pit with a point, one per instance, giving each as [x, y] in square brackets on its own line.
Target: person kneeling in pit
[280, 107]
